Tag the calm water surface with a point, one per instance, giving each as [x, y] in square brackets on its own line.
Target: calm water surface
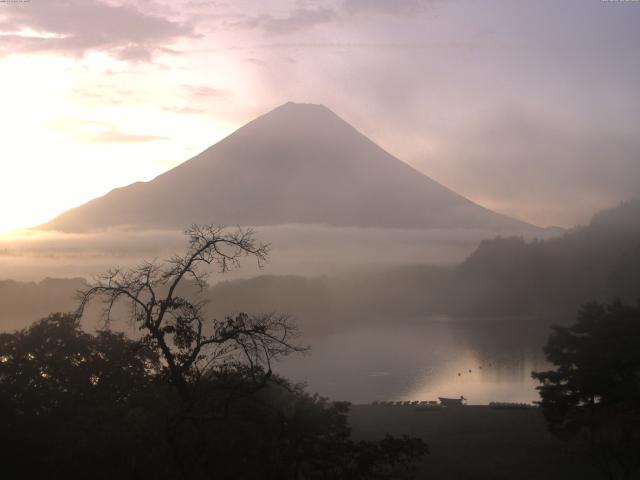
[482, 359]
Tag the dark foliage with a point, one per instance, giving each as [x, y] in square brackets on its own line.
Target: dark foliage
[508, 276]
[76, 404]
[592, 397]
[70, 400]
[193, 398]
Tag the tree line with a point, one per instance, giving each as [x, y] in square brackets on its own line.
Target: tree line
[192, 397]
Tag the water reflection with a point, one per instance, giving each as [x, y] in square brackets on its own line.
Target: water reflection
[484, 360]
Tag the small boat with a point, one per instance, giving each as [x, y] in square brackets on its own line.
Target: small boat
[452, 402]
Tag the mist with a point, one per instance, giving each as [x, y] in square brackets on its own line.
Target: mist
[307, 250]
[429, 259]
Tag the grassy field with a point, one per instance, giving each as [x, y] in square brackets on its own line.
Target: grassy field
[476, 442]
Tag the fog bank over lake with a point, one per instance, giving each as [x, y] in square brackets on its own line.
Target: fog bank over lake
[296, 249]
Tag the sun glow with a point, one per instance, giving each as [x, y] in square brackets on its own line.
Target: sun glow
[66, 140]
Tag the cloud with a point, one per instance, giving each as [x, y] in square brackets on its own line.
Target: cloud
[133, 53]
[254, 61]
[297, 20]
[90, 131]
[357, 46]
[199, 92]
[75, 27]
[204, 96]
[102, 94]
[538, 169]
[526, 117]
[435, 91]
[185, 110]
[383, 6]
[117, 136]
[303, 18]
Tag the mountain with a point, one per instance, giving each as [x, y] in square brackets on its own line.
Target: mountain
[299, 163]
[599, 261]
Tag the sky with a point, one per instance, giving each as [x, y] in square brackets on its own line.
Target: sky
[530, 108]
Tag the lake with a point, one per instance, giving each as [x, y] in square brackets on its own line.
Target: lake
[482, 359]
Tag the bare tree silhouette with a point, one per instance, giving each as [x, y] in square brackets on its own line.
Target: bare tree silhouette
[190, 344]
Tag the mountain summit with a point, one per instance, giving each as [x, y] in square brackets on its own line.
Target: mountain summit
[299, 163]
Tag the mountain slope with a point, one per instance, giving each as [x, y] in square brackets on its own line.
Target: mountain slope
[299, 163]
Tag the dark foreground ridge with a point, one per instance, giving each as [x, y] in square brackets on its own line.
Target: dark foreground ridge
[477, 442]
